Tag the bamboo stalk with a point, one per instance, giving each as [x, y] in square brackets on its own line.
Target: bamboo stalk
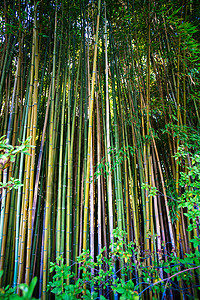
[90, 131]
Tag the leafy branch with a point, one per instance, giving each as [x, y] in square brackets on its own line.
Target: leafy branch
[7, 155]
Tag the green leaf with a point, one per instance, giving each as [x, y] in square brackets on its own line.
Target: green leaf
[31, 287]
[24, 288]
[167, 270]
[102, 298]
[120, 290]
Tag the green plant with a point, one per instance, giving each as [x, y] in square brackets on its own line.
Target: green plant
[9, 152]
[152, 191]
[102, 276]
[7, 156]
[189, 200]
[27, 291]
[11, 184]
[127, 290]
[58, 286]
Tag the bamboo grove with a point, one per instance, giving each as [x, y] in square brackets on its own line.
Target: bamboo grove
[105, 89]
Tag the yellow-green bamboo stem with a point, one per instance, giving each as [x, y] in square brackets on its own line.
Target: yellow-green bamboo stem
[34, 123]
[90, 132]
[50, 169]
[109, 177]
[69, 176]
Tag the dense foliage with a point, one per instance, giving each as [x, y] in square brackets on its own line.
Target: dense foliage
[109, 94]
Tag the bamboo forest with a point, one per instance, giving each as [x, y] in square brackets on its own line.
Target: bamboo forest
[99, 149]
